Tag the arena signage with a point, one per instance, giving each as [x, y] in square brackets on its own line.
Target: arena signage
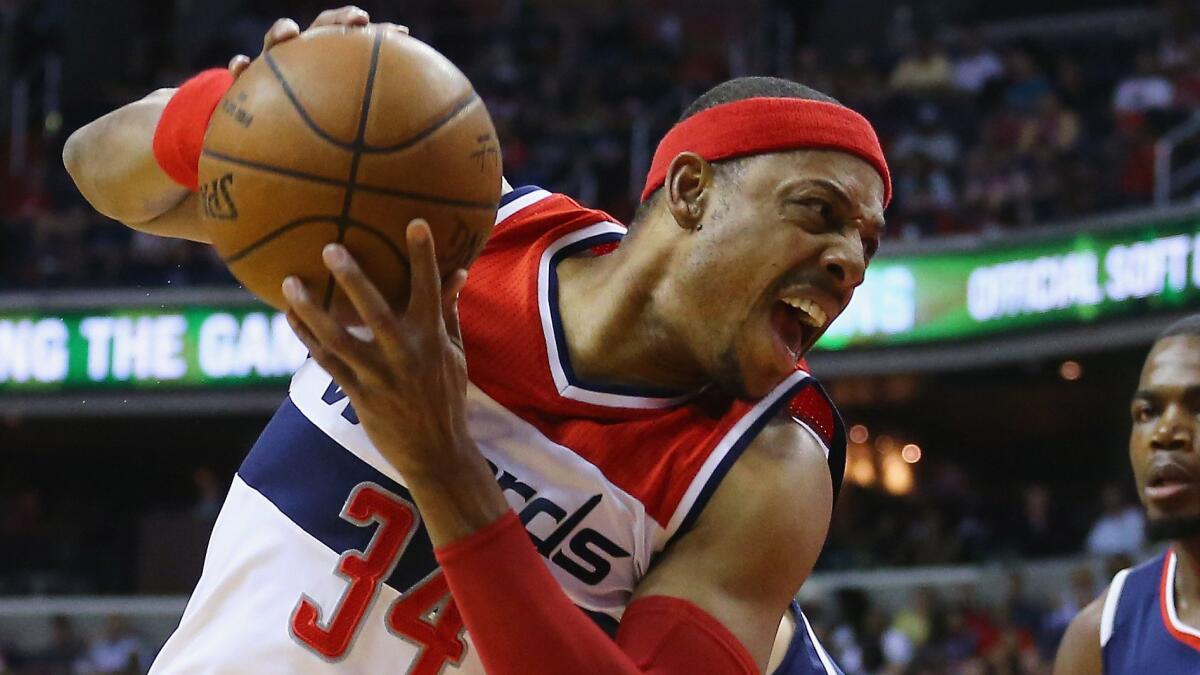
[906, 300]
[146, 349]
[1068, 280]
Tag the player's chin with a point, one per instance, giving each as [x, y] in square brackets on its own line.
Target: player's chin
[764, 369]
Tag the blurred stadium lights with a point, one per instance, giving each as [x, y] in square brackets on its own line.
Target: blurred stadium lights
[884, 444]
[911, 453]
[897, 474]
[859, 434]
[1070, 370]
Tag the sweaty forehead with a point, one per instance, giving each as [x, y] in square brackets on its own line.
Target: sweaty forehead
[842, 172]
[1174, 362]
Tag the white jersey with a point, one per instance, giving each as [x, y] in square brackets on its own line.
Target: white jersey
[319, 562]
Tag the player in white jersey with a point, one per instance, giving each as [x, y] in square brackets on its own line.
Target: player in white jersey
[642, 413]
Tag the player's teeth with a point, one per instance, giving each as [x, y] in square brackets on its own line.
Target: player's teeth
[813, 314]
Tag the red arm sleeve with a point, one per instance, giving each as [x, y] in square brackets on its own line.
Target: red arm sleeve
[522, 622]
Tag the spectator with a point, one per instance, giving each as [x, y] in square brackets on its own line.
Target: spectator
[210, 493]
[1081, 592]
[997, 188]
[925, 196]
[1052, 127]
[925, 70]
[1026, 84]
[1186, 80]
[1135, 165]
[1145, 90]
[911, 629]
[64, 649]
[1119, 529]
[118, 650]
[977, 65]
[1039, 532]
[928, 139]
[1023, 612]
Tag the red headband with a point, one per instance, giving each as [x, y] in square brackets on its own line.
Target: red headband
[760, 125]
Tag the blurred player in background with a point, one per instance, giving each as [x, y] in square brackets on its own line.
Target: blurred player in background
[1148, 621]
[641, 408]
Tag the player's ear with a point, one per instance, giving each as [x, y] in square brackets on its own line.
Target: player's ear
[688, 180]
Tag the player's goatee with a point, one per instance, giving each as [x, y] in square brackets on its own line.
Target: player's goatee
[1167, 529]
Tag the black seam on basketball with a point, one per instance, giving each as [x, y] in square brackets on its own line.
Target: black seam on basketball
[417, 196]
[365, 187]
[447, 117]
[278, 232]
[308, 121]
[271, 168]
[400, 256]
[363, 113]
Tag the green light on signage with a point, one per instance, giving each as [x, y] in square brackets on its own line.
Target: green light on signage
[950, 296]
[186, 347]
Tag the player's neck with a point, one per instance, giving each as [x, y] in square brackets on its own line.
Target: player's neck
[1187, 581]
[607, 308]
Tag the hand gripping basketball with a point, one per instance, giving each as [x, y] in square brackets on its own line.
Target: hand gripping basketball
[286, 29]
[344, 133]
[408, 382]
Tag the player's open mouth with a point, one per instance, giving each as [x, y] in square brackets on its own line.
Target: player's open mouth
[796, 321]
[1168, 480]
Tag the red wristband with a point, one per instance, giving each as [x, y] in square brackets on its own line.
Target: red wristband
[179, 136]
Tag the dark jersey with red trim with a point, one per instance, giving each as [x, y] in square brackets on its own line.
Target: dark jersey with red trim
[319, 556]
[1140, 631]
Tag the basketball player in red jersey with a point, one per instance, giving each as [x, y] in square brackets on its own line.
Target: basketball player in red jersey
[760, 214]
[1148, 621]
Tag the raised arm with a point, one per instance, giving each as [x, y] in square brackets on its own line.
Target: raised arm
[113, 166]
[112, 159]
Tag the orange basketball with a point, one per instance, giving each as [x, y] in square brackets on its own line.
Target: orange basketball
[345, 135]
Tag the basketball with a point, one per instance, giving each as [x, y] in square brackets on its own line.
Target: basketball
[346, 135]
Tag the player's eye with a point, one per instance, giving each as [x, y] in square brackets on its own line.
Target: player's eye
[870, 247]
[820, 208]
[1142, 412]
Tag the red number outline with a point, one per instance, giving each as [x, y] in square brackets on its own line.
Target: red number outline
[441, 641]
[364, 571]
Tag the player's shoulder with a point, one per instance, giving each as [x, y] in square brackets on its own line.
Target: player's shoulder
[1079, 653]
[531, 210]
[811, 409]
[777, 500]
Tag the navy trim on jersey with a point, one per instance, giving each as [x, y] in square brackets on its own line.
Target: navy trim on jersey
[732, 456]
[516, 193]
[837, 451]
[802, 657]
[560, 339]
[1141, 639]
[308, 476]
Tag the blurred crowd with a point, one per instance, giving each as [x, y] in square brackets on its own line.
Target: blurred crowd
[116, 648]
[967, 629]
[986, 130]
[872, 528]
[52, 545]
[953, 631]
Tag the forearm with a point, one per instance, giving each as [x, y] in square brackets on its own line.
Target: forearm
[112, 162]
[467, 499]
[522, 623]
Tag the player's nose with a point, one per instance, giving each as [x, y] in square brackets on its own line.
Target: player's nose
[1175, 430]
[845, 262]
